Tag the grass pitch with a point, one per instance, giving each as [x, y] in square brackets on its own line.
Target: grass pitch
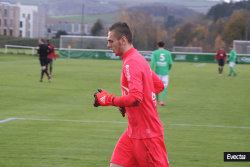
[205, 115]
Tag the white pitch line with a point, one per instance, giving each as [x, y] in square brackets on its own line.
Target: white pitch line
[8, 119]
[17, 62]
[34, 119]
[201, 64]
[215, 126]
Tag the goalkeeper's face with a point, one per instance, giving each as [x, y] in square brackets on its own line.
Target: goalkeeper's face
[115, 44]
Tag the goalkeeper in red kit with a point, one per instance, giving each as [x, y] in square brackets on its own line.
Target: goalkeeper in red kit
[50, 57]
[142, 144]
[222, 58]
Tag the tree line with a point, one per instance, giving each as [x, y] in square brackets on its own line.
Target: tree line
[201, 31]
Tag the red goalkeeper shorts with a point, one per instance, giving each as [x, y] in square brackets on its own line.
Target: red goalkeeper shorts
[131, 152]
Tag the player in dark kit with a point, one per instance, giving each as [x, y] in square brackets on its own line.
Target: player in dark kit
[222, 58]
[50, 57]
[43, 51]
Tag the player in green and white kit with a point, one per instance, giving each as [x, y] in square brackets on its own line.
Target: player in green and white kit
[232, 60]
[162, 59]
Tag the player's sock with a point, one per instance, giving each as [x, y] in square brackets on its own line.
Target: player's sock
[164, 93]
[219, 70]
[46, 72]
[42, 74]
[233, 70]
[50, 69]
[157, 98]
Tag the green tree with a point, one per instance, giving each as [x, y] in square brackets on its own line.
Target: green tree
[60, 32]
[97, 29]
[184, 35]
[236, 27]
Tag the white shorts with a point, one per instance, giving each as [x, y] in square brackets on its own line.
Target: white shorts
[164, 78]
[231, 64]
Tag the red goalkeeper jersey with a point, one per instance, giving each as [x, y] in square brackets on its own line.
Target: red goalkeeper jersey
[221, 54]
[52, 53]
[139, 86]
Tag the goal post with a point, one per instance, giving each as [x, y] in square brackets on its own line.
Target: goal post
[23, 50]
[187, 49]
[241, 47]
[19, 49]
[83, 42]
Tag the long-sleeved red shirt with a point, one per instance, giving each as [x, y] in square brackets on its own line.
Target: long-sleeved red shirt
[139, 87]
[52, 53]
[221, 54]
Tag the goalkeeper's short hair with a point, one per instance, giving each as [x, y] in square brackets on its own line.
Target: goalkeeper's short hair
[122, 29]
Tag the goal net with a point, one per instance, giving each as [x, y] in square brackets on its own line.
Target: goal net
[187, 49]
[83, 42]
[241, 47]
[21, 50]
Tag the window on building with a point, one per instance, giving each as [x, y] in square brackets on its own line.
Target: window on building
[21, 24]
[11, 23]
[4, 32]
[5, 22]
[11, 12]
[5, 12]
[20, 33]
[10, 32]
[23, 15]
[29, 16]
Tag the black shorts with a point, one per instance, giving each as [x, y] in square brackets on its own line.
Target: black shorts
[50, 60]
[43, 61]
[221, 62]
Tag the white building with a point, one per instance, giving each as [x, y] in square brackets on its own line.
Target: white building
[32, 21]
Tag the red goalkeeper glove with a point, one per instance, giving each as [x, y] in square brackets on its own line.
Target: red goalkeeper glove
[103, 99]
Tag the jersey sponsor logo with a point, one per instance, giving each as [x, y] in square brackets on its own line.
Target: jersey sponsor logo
[221, 54]
[127, 72]
[103, 99]
[161, 63]
[148, 131]
[180, 57]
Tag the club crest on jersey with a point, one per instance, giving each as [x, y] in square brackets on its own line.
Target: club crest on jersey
[127, 73]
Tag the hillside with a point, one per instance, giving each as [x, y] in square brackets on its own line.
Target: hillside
[63, 7]
[226, 9]
[157, 12]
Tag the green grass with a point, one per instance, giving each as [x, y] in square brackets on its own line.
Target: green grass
[105, 17]
[196, 96]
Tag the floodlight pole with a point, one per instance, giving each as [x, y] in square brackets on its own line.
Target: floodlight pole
[164, 23]
[82, 23]
[247, 26]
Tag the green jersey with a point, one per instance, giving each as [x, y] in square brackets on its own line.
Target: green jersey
[232, 57]
[162, 59]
